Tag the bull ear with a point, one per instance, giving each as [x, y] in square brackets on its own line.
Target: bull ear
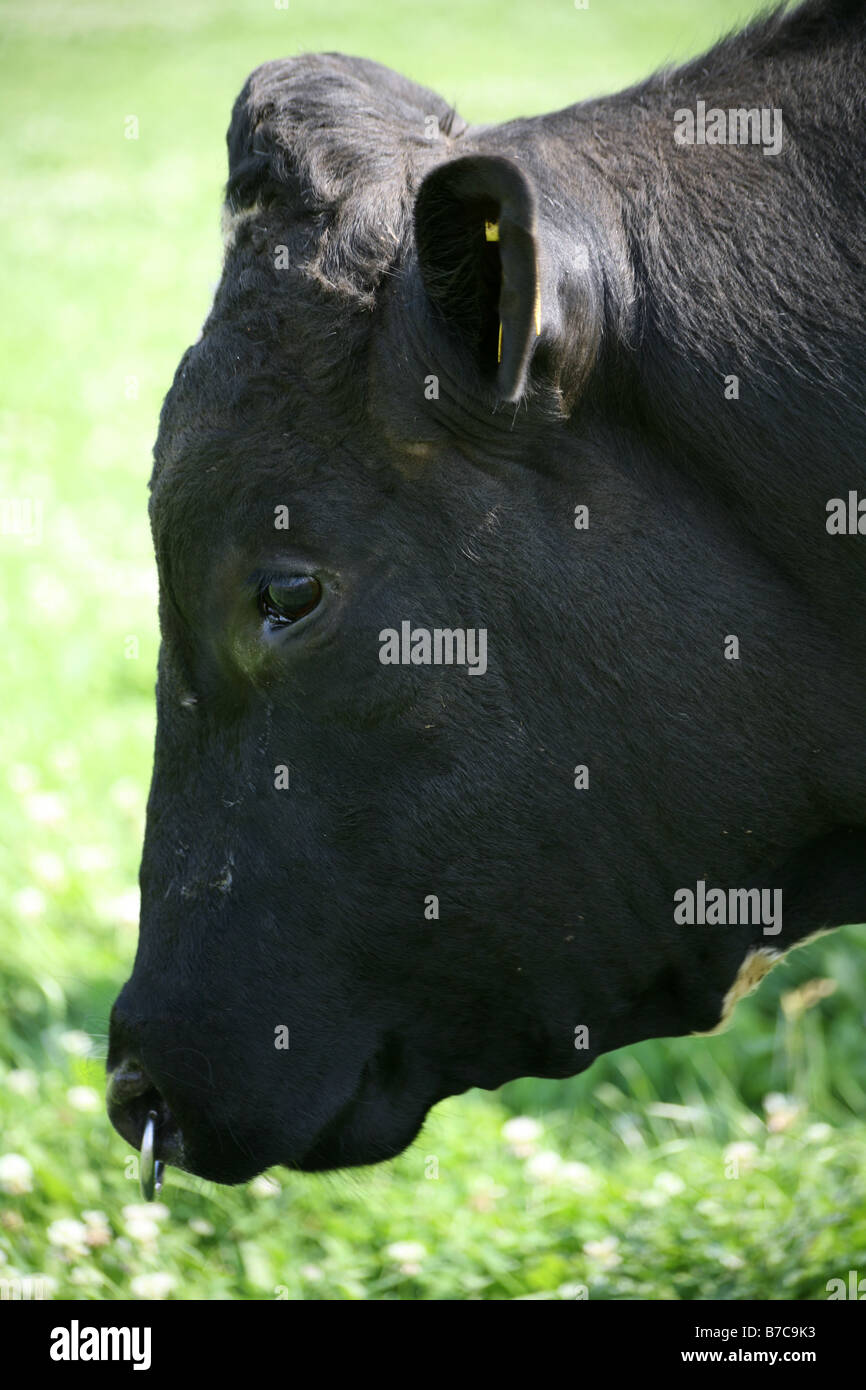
[476, 234]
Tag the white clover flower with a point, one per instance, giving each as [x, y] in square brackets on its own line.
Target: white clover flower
[146, 1211]
[22, 1082]
[818, 1133]
[126, 794]
[153, 1286]
[579, 1177]
[29, 903]
[407, 1255]
[141, 1221]
[92, 858]
[543, 1167]
[75, 1042]
[45, 808]
[98, 1230]
[605, 1252]
[126, 908]
[141, 1230]
[731, 1261]
[485, 1192]
[406, 1250]
[775, 1100]
[652, 1198]
[49, 867]
[781, 1111]
[22, 778]
[66, 759]
[742, 1152]
[264, 1186]
[521, 1134]
[68, 1235]
[572, 1291]
[84, 1098]
[16, 1175]
[670, 1183]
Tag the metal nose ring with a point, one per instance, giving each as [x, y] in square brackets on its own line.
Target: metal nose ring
[150, 1169]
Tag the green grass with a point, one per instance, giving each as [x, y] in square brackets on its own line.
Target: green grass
[110, 251]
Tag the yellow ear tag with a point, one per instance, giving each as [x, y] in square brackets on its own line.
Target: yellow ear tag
[491, 233]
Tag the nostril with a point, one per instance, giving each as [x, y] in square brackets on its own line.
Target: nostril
[127, 1081]
[130, 1097]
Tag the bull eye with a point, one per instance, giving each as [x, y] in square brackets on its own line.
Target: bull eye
[285, 601]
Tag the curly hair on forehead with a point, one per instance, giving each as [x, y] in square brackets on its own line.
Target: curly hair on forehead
[338, 146]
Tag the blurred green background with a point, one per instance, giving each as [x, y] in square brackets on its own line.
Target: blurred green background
[730, 1167]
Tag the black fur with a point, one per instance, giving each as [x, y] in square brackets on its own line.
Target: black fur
[662, 269]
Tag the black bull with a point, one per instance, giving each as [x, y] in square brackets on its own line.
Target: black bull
[583, 388]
